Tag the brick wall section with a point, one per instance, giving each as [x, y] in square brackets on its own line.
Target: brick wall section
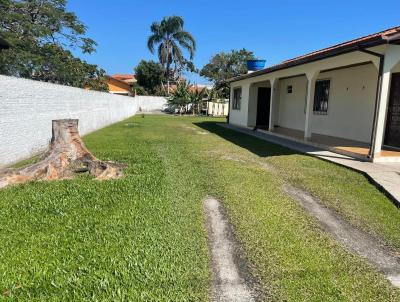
[27, 108]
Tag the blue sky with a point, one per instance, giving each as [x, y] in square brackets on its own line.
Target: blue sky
[274, 30]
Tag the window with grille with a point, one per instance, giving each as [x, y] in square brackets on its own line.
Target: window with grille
[321, 97]
[237, 98]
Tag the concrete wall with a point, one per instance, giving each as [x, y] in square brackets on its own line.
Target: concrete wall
[148, 103]
[396, 68]
[27, 108]
[352, 93]
[351, 104]
[292, 105]
[239, 117]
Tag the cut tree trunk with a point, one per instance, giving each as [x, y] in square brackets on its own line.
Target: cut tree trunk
[66, 157]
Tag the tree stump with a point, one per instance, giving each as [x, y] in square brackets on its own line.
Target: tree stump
[66, 157]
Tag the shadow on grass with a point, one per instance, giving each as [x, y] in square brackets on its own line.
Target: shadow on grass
[255, 145]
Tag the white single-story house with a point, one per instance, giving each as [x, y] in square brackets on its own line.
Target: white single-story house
[345, 98]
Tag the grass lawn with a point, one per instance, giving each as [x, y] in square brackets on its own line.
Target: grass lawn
[142, 238]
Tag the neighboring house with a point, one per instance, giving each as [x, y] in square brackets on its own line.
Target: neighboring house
[192, 87]
[199, 87]
[345, 98]
[127, 78]
[117, 86]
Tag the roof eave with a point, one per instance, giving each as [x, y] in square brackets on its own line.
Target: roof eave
[394, 39]
[112, 78]
[335, 52]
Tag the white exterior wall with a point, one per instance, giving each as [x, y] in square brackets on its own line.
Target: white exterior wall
[351, 104]
[239, 117]
[350, 112]
[27, 108]
[392, 60]
[352, 94]
[148, 103]
[292, 105]
[396, 68]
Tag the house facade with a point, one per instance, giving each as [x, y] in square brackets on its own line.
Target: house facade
[117, 86]
[345, 98]
[127, 78]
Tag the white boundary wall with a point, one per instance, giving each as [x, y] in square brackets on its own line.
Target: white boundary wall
[27, 108]
[150, 103]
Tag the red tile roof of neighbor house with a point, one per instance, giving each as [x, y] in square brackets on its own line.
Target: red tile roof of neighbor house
[116, 79]
[123, 76]
[391, 35]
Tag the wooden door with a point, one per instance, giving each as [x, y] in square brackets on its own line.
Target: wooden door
[263, 107]
[392, 134]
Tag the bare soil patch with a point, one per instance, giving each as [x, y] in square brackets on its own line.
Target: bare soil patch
[355, 240]
[231, 280]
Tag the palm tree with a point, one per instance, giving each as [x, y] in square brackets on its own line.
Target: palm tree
[171, 38]
[196, 97]
[180, 96]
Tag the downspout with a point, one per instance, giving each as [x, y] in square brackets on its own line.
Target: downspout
[371, 153]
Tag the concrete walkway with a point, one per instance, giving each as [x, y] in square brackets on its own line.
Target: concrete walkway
[386, 176]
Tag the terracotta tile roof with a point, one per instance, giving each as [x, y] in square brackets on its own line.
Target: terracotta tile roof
[115, 79]
[123, 76]
[341, 48]
[384, 33]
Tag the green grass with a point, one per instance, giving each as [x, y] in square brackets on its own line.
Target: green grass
[142, 238]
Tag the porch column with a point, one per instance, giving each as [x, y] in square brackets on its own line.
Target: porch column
[311, 78]
[392, 58]
[273, 102]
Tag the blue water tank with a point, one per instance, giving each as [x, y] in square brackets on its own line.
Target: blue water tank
[255, 65]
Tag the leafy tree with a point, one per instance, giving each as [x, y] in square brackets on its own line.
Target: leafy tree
[224, 66]
[41, 34]
[171, 38]
[138, 90]
[149, 75]
[180, 96]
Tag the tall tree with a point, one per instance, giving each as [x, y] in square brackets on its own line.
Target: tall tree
[149, 75]
[170, 38]
[224, 66]
[41, 34]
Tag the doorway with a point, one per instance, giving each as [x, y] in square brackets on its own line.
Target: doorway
[263, 107]
[392, 133]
